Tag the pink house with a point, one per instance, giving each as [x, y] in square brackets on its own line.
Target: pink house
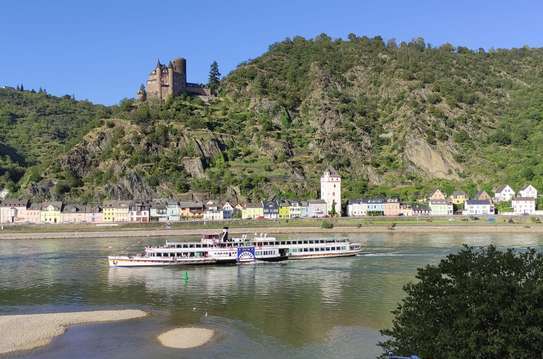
[12, 210]
[32, 215]
[74, 213]
[392, 207]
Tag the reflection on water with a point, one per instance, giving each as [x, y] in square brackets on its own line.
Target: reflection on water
[296, 308]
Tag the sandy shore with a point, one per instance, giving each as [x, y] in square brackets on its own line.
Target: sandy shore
[25, 332]
[399, 228]
[185, 338]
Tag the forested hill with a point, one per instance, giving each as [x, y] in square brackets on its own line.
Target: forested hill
[394, 119]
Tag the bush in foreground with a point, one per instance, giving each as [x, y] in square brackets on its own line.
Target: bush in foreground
[327, 225]
[479, 303]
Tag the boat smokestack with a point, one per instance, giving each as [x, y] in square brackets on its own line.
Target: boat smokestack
[225, 234]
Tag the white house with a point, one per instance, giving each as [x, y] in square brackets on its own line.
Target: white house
[357, 208]
[213, 212]
[528, 192]
[331, 190]
[296, 209]
[523, 205]
[478, 207]
[504, 193]
[317, 208]
[441, 208]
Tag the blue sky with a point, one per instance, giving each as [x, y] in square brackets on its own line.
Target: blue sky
[103, 50]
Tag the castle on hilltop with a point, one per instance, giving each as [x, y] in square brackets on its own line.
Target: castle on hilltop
[171, 80]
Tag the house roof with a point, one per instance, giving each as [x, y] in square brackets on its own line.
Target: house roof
[316, 201]
[331, 170]
[526, 187]
[56, 204]
[253, 205]
[478, 202]
[191, 204]
[420, 207]
[434, 191]
[375, 200]
[73, 208]
[459, 193]
[116, 204]
[35, 206]
[523, 199]
[501, 188]
[14, 203]
[439, 201]
[295, 203]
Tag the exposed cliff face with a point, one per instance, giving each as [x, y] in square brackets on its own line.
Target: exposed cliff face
[434, 162]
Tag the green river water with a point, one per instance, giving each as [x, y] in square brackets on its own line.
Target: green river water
[322, 308]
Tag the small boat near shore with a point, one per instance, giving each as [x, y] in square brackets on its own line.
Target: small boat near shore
[221, 249]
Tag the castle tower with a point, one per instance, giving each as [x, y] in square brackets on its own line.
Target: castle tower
[331, 190]
[170, 90]
[180, 68]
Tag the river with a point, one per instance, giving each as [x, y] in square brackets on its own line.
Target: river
[325, 308]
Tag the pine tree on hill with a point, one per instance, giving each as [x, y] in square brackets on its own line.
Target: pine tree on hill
[214, 78]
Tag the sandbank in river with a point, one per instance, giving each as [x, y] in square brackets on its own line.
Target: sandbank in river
[29, 331]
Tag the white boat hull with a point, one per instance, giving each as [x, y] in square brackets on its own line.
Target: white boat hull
[125, 261]
[349, 253]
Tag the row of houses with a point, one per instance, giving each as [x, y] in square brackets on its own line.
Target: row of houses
[501, 194]
[393, 207]
[285, 210]
[169, 210]
[22, 211]
[438, 204]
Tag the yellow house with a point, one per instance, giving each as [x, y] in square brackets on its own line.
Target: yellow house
[116, 211]
[458, 197]
[284, 210]
[191, 210]
[252, 211]
[51, 212]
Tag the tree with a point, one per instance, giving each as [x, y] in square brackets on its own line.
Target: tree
[214, 78]
[479, 303]
[333, 212]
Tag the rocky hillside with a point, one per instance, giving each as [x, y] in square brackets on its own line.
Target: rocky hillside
[394, 119]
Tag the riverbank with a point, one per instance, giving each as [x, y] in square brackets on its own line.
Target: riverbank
[26, 332]
[341, 226]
